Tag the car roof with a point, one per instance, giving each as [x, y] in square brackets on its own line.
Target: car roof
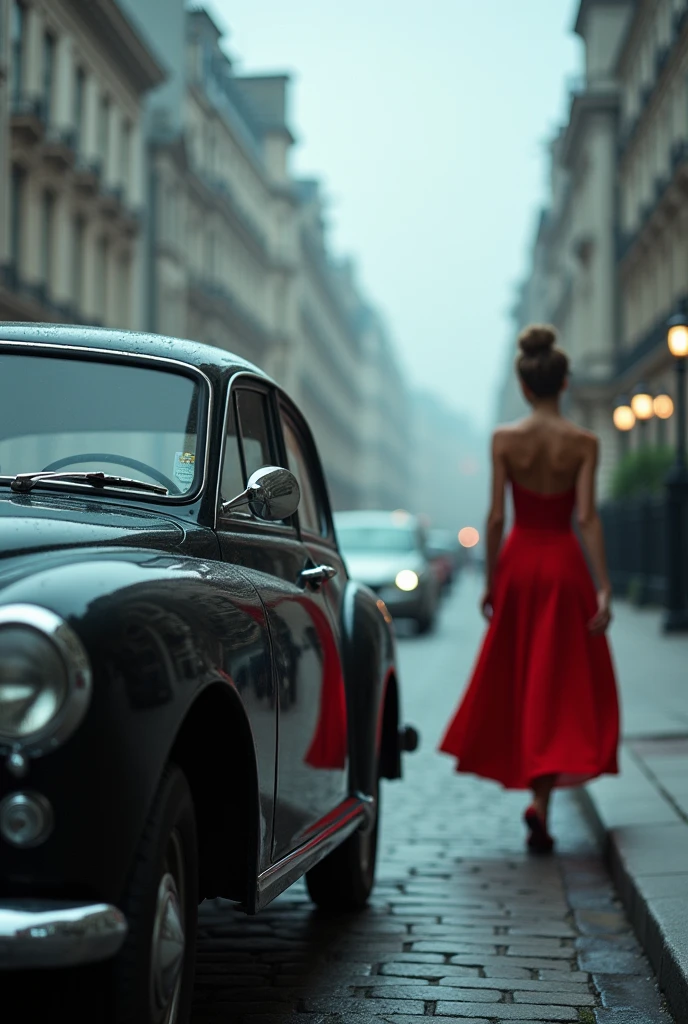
[399, 519]
[215, 362]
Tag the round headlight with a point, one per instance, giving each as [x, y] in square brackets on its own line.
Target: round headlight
[45, 680]
[33, 682]
[407, 580]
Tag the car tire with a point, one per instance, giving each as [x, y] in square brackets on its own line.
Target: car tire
[149, 984]
[344, 879]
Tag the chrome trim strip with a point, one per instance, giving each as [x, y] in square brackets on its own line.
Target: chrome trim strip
[46, 933]
[353, 813]
[79, 679]
[165, 360]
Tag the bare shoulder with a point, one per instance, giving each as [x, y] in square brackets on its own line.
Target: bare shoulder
[507, 432]
[591, 445]
[501, 438]
[588, 441]
[585, 438]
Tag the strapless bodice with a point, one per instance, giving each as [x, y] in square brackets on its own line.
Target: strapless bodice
[535, 511]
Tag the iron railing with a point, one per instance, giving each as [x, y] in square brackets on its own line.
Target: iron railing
[635, 532]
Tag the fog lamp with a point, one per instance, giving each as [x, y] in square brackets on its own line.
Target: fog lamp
[26, 819]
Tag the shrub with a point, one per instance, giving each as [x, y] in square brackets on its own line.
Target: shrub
[642, 472]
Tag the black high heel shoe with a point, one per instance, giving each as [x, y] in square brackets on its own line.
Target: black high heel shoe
[539, 839]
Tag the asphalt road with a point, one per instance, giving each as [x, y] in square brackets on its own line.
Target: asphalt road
[464, 925]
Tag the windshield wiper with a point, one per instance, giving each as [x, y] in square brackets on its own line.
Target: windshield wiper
[27, 481]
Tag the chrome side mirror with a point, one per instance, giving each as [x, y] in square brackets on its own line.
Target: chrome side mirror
[272, 494]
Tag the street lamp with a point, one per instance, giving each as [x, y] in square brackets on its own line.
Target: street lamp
[664, 407]
[624, 417]
[642, 403]
[676, 618]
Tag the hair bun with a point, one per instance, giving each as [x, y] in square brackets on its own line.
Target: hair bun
[536, 339]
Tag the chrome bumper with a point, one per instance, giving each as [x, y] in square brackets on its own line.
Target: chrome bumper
[45, 933]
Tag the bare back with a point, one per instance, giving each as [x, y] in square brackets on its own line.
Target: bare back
[544, 453]
[547, 454]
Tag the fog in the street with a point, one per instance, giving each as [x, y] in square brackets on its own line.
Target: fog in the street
[429, 125]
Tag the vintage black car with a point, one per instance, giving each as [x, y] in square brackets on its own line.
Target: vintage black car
[195, 700]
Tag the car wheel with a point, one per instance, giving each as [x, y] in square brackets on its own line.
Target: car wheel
[152, 977]
[150, 981]
[345, 878]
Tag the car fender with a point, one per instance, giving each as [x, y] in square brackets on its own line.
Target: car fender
[162, 634]
[369, 665]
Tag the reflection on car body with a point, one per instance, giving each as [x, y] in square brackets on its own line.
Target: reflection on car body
[195, 699]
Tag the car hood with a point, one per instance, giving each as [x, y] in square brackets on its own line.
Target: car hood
[29, 524]
[375, 568]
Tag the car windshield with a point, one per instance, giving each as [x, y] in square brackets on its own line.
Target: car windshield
[382, 539]
[72, 415]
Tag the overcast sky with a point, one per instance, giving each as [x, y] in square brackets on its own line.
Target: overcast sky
[426, 121]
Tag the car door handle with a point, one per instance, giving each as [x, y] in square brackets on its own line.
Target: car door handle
[318, 574]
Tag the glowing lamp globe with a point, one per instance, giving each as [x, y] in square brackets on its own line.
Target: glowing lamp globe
[664, 407]
[624, 418]
[642, 405]
[677, 337]
[469, 537]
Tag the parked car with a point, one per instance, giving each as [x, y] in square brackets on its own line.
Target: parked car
[388, 552]
[195, 699]
[444, 554]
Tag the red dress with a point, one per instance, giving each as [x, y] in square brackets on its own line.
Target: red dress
[542, 699]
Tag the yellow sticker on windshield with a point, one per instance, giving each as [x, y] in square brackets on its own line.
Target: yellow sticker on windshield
[184, 464]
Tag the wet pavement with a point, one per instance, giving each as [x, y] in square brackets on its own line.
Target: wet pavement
[464, 925]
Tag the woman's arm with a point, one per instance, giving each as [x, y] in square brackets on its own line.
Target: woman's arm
[590, 526]
[495, 519]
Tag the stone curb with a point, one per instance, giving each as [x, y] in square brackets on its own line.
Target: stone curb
[659, 919]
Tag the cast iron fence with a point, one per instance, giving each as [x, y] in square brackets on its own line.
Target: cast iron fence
[636, 543]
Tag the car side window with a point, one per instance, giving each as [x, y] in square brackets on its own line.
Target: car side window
[254, 424]
[232, 471]
[311, 511]
[250, 441]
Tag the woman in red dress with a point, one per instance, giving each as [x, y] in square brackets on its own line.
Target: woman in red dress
[541, 708]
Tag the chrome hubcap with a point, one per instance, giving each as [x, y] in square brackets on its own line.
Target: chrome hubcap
[167, 953]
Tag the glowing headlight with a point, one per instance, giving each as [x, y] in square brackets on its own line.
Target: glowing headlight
[45, 680]
[407, 580]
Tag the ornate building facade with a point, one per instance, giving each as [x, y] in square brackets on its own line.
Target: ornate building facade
[610, 261]
[145, 184]
[71, 182]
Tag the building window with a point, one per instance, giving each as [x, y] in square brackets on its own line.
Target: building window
[17, 28]
[212, 152]
[78, 262]
[48, 75]
[104, 130]
[101, 288]
[47, 239]
[79, 93]
[125, 157]
[123, 291]
[16, 215]
[210, 254]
